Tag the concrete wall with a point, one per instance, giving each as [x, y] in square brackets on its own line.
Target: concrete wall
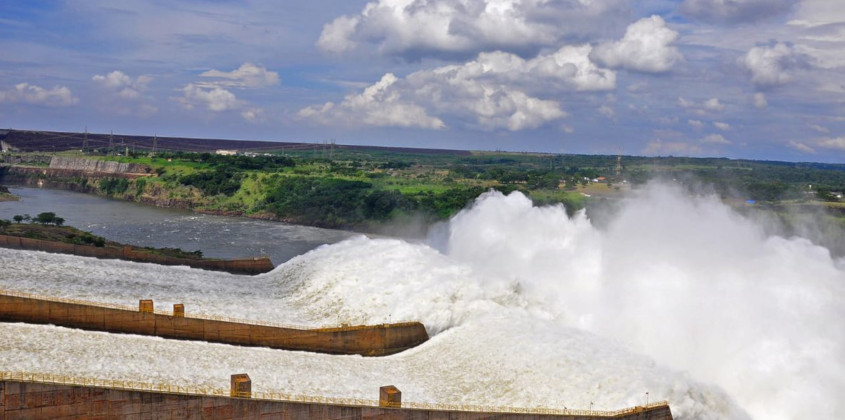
[376, 340]
[96, 165]
[242, 266]
[27, 400]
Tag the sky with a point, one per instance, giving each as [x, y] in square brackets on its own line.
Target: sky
[754, 79]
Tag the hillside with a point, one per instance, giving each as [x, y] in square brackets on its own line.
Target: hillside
[371, 188]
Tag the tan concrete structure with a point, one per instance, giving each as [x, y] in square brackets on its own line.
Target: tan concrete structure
[241, 386]
[35, 401]
[389, 396]
[377, 340]
[241, 266]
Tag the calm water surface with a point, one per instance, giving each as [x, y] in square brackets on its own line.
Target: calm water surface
[132, 223]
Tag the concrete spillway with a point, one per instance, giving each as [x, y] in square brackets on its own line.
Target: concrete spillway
[378, 340]
[44, 400]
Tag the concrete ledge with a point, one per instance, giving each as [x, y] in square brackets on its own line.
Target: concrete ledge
[32, 400]
[377, 340]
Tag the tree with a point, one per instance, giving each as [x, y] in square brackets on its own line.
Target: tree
[17, 218]
[59, 221]
[45, 218]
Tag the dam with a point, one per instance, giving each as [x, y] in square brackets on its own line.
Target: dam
[365, 340]
[42, 397]
[38, 396]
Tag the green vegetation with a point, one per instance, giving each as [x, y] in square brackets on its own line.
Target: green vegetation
[48, 227]
[359, 188]
[5, 194]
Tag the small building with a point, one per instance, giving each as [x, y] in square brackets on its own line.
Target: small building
[226, 152]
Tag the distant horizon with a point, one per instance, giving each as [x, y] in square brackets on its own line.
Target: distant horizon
[366, 145]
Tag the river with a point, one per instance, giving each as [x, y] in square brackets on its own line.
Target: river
[136, 224]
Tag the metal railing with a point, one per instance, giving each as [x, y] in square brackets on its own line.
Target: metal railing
[285, 397]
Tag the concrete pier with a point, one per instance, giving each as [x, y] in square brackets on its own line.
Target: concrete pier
[376, 340]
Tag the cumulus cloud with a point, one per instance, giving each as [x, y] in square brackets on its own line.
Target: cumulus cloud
[722, 126]
[248, 75]
[712, 105]
[646, 47]
[696, 124]
[463, 28]
[253, 114]
[216, 95]
[126, 94]
[36, 95]
[837, 143]
[819, 129]
[495, 91]
[123, 85]
[772, 65]
[381, 105]
[214, 98]
[735, 11]
[801, 147]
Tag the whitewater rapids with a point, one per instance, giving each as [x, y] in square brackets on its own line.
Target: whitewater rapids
[678, 296]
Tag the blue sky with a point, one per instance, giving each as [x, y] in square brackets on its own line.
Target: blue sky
[760, 79]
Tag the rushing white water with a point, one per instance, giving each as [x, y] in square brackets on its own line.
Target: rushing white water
[679, 297]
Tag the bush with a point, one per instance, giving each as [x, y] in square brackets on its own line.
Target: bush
[219, 181]
[114, 186]
[324, 201]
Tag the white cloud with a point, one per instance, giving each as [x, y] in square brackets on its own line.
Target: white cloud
[818, 13]
[495, 91]
[607, 111]
[710, 106]
[569, 66]
[450, 28]
[645, 47]
[36, 95]
[214, 99]
[735, 11]
[248, 75]
[801, 147]
[772, 66]
[126, 93]
[759, 100]
[722, 126]
[337, 36]
[216, 96]
[114, 80]
[716, 139]
[253, 114]
[696, 123]
[378, 105]
[819, 129]
[837, 143]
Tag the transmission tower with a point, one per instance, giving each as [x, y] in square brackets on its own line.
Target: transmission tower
[85, 141]
[618, 166]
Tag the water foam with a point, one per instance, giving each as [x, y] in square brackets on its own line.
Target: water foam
[679, 296]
